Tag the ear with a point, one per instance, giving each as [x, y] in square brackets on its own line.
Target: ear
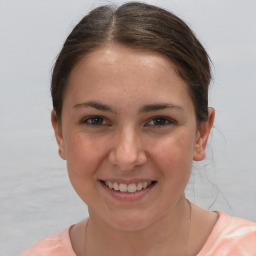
[58, 135]
[203, 134]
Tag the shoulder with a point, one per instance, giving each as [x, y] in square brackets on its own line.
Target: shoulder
[57, 245]
[231, 236]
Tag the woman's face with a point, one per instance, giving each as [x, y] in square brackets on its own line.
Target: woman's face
[129, 135]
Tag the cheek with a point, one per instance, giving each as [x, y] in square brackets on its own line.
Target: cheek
[84, 154]
[175, 155]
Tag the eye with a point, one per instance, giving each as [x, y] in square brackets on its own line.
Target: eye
[160, 121]
[95, 121]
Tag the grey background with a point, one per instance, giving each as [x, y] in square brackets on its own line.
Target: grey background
[36, 198]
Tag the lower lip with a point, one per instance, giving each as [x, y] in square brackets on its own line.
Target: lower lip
[125, 196]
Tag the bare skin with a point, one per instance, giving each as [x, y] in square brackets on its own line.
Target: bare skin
[201, 226]
[128, 117]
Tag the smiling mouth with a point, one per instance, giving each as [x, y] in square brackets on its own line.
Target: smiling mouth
[128, 188]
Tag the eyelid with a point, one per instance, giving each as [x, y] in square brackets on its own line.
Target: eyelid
[106, 122]
[170, 121]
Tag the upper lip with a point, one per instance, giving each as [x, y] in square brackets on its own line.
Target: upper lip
[123, 181]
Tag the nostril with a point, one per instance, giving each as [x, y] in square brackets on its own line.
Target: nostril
[127, 153]
[126, 160]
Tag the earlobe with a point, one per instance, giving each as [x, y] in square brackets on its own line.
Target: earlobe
[203, 134]
[58, 135]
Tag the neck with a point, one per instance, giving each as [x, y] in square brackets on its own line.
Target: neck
[166, 236]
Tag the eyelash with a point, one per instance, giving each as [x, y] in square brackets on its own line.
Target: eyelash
[158, 121]
[93, 121]
[162, 121]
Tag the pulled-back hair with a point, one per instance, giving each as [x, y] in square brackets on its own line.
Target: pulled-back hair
[140, 26]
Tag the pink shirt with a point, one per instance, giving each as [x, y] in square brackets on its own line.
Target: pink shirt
[230, 237]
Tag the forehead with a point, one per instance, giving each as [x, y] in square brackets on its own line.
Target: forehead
[114, 69]
[114, 54]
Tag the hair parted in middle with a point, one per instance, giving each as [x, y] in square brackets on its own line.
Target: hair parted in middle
[139, 26]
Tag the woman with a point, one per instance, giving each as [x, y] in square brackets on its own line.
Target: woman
[130, 100]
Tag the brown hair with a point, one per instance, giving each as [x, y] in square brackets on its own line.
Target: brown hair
[142, 26]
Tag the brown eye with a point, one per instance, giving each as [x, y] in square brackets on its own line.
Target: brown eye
[159, 121]
[95, 121]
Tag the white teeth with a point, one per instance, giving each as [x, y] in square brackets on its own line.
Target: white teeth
[109, 184]
[131, 188]
[115, 186]
[123, 187]
[144, 184]
[139, 186]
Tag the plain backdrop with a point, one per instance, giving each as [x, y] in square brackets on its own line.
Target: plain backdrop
[36, 197]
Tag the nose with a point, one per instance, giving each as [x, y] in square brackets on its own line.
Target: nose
[127, 152]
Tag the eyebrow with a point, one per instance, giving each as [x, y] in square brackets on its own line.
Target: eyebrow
[144, 109]
[96, 105]
[161, 106]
